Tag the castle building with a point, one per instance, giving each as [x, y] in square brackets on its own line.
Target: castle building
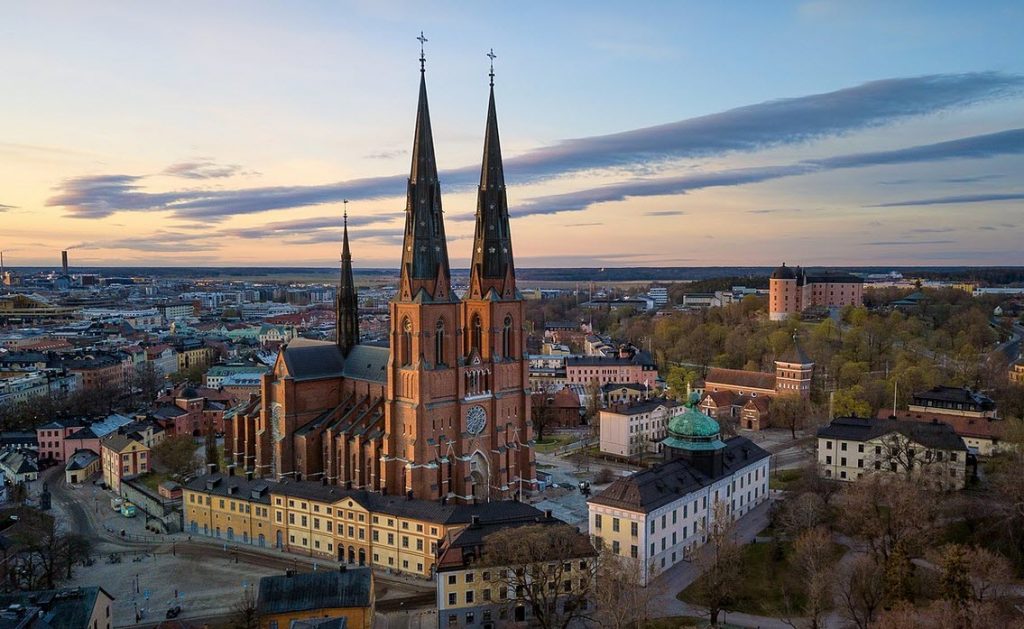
[791, 291]
[444, 411]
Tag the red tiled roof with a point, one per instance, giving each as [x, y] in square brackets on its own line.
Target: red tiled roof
[739, 378]
[980, 427]
[720, 398]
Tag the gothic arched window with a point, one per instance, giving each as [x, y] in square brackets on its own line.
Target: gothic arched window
[507, 342]
[439, 357]
[405, 346]
[477, 334]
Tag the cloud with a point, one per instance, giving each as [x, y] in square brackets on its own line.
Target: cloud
[202, 170]
[584, 224]
[330, 224]
[387, 154]
[750, 128]
[4, 208]
[158, 242]
[980, 146]
[893, 243]
[774, 211]
[957, 199]
[665, 213]
[931, 230]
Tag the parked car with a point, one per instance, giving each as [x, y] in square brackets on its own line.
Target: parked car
[174, 611]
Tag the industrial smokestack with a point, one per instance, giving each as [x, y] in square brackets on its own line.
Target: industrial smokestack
[64, 261]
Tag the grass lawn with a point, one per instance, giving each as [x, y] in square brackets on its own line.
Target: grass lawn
[764, 582]
[785, 479]
[550, 443]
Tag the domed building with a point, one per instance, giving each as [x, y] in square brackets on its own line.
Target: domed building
[657, 515]
[696, 438]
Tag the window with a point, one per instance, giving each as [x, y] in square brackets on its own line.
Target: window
[476, 334]
[597, 520]
[405, 343]
[507, 339]
[634, 529]
[615, 525]
[828, 445]
[842, 446]
[469, 596]
[452, 601]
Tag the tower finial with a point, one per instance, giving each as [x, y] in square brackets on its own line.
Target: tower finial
[423, 57]
[492, 57]
[345, 214]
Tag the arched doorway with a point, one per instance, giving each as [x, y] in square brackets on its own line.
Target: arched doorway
[479, 477]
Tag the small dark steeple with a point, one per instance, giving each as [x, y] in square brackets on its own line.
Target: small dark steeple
[425, 273]
[492, 265]
[348, 301]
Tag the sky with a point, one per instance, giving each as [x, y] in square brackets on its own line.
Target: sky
[634, 134]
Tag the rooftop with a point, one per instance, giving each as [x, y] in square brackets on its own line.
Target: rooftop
[934, 434]
[324, 589]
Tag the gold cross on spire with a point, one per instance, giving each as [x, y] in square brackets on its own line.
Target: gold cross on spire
[423, 57]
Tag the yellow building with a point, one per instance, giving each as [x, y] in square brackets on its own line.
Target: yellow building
[355, 527]
[474, 592]
[122, 458]
[1017, 372]
[324, 594]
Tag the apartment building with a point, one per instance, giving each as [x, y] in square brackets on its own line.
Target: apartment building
[123, 458]
[475, 591]
[353, 526]
[931, 453]
[636, 429]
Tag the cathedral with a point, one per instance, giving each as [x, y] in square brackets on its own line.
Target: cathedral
[443, 412]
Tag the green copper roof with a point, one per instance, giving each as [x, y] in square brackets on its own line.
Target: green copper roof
[680, 444]
[692, 424]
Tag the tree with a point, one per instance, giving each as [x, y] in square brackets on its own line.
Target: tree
[533, 562]
[850, 402]
[620, 601]
[861, 590]
[718, 562]
[679, 380]
[146, 380]
[790, 411]
[813, 559]
[244, 611]
[177, 454]
[541, 415]
[593, 400]
[803, 512]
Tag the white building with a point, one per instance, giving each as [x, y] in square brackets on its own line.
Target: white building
[659, 516]
[637, 428]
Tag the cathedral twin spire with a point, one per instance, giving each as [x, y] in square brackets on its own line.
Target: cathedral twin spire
[425, 272]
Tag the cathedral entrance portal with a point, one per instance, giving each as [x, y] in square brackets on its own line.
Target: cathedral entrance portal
[479, 477]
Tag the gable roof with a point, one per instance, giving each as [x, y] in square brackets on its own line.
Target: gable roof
[739, 378]
[324, 589]
[963, 425]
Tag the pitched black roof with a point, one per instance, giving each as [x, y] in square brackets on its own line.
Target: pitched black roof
[310, 360]
[956, 395]
[931, 435]
[659, 485]
[315, 590]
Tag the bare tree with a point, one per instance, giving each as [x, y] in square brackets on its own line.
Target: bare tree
[718, 562]
[861, 589]
[620, 602]
[542, 416]
[244, 614]
[804, 511]
[790, 411]
[813, 559]
[548, 568]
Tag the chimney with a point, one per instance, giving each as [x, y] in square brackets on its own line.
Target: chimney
[248, 475]
[547, 514]
[231, 470]
[474, 520]
[408, 495]
[64, 261]
[211, 468]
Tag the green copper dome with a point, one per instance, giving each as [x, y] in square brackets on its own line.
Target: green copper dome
[693, 430]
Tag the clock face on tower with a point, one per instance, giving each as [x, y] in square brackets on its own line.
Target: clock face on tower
[476, 420]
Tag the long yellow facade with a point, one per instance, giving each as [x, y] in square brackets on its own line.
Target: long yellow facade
[338, 529]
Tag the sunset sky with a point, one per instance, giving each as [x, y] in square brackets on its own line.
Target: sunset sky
[634, 134]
